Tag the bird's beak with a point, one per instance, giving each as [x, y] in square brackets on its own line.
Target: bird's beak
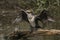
[51, 20]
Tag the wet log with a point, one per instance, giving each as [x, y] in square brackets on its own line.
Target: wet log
[26, 33]
[38, 32]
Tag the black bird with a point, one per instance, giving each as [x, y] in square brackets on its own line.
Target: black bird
[28, 17]
[33, 19]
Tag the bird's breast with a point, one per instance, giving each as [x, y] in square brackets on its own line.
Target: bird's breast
[32, 21]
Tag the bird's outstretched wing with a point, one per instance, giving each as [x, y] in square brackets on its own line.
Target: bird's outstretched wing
[45, 16]
[17, 19]
[22, 16]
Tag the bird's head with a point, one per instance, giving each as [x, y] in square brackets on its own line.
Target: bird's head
[29, 11]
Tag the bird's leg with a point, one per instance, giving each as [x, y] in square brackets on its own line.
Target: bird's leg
[43, 24]
[37, 27]
[33, 29]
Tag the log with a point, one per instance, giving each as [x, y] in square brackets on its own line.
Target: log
[38, 32]
[47, 32]
[26, 33]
